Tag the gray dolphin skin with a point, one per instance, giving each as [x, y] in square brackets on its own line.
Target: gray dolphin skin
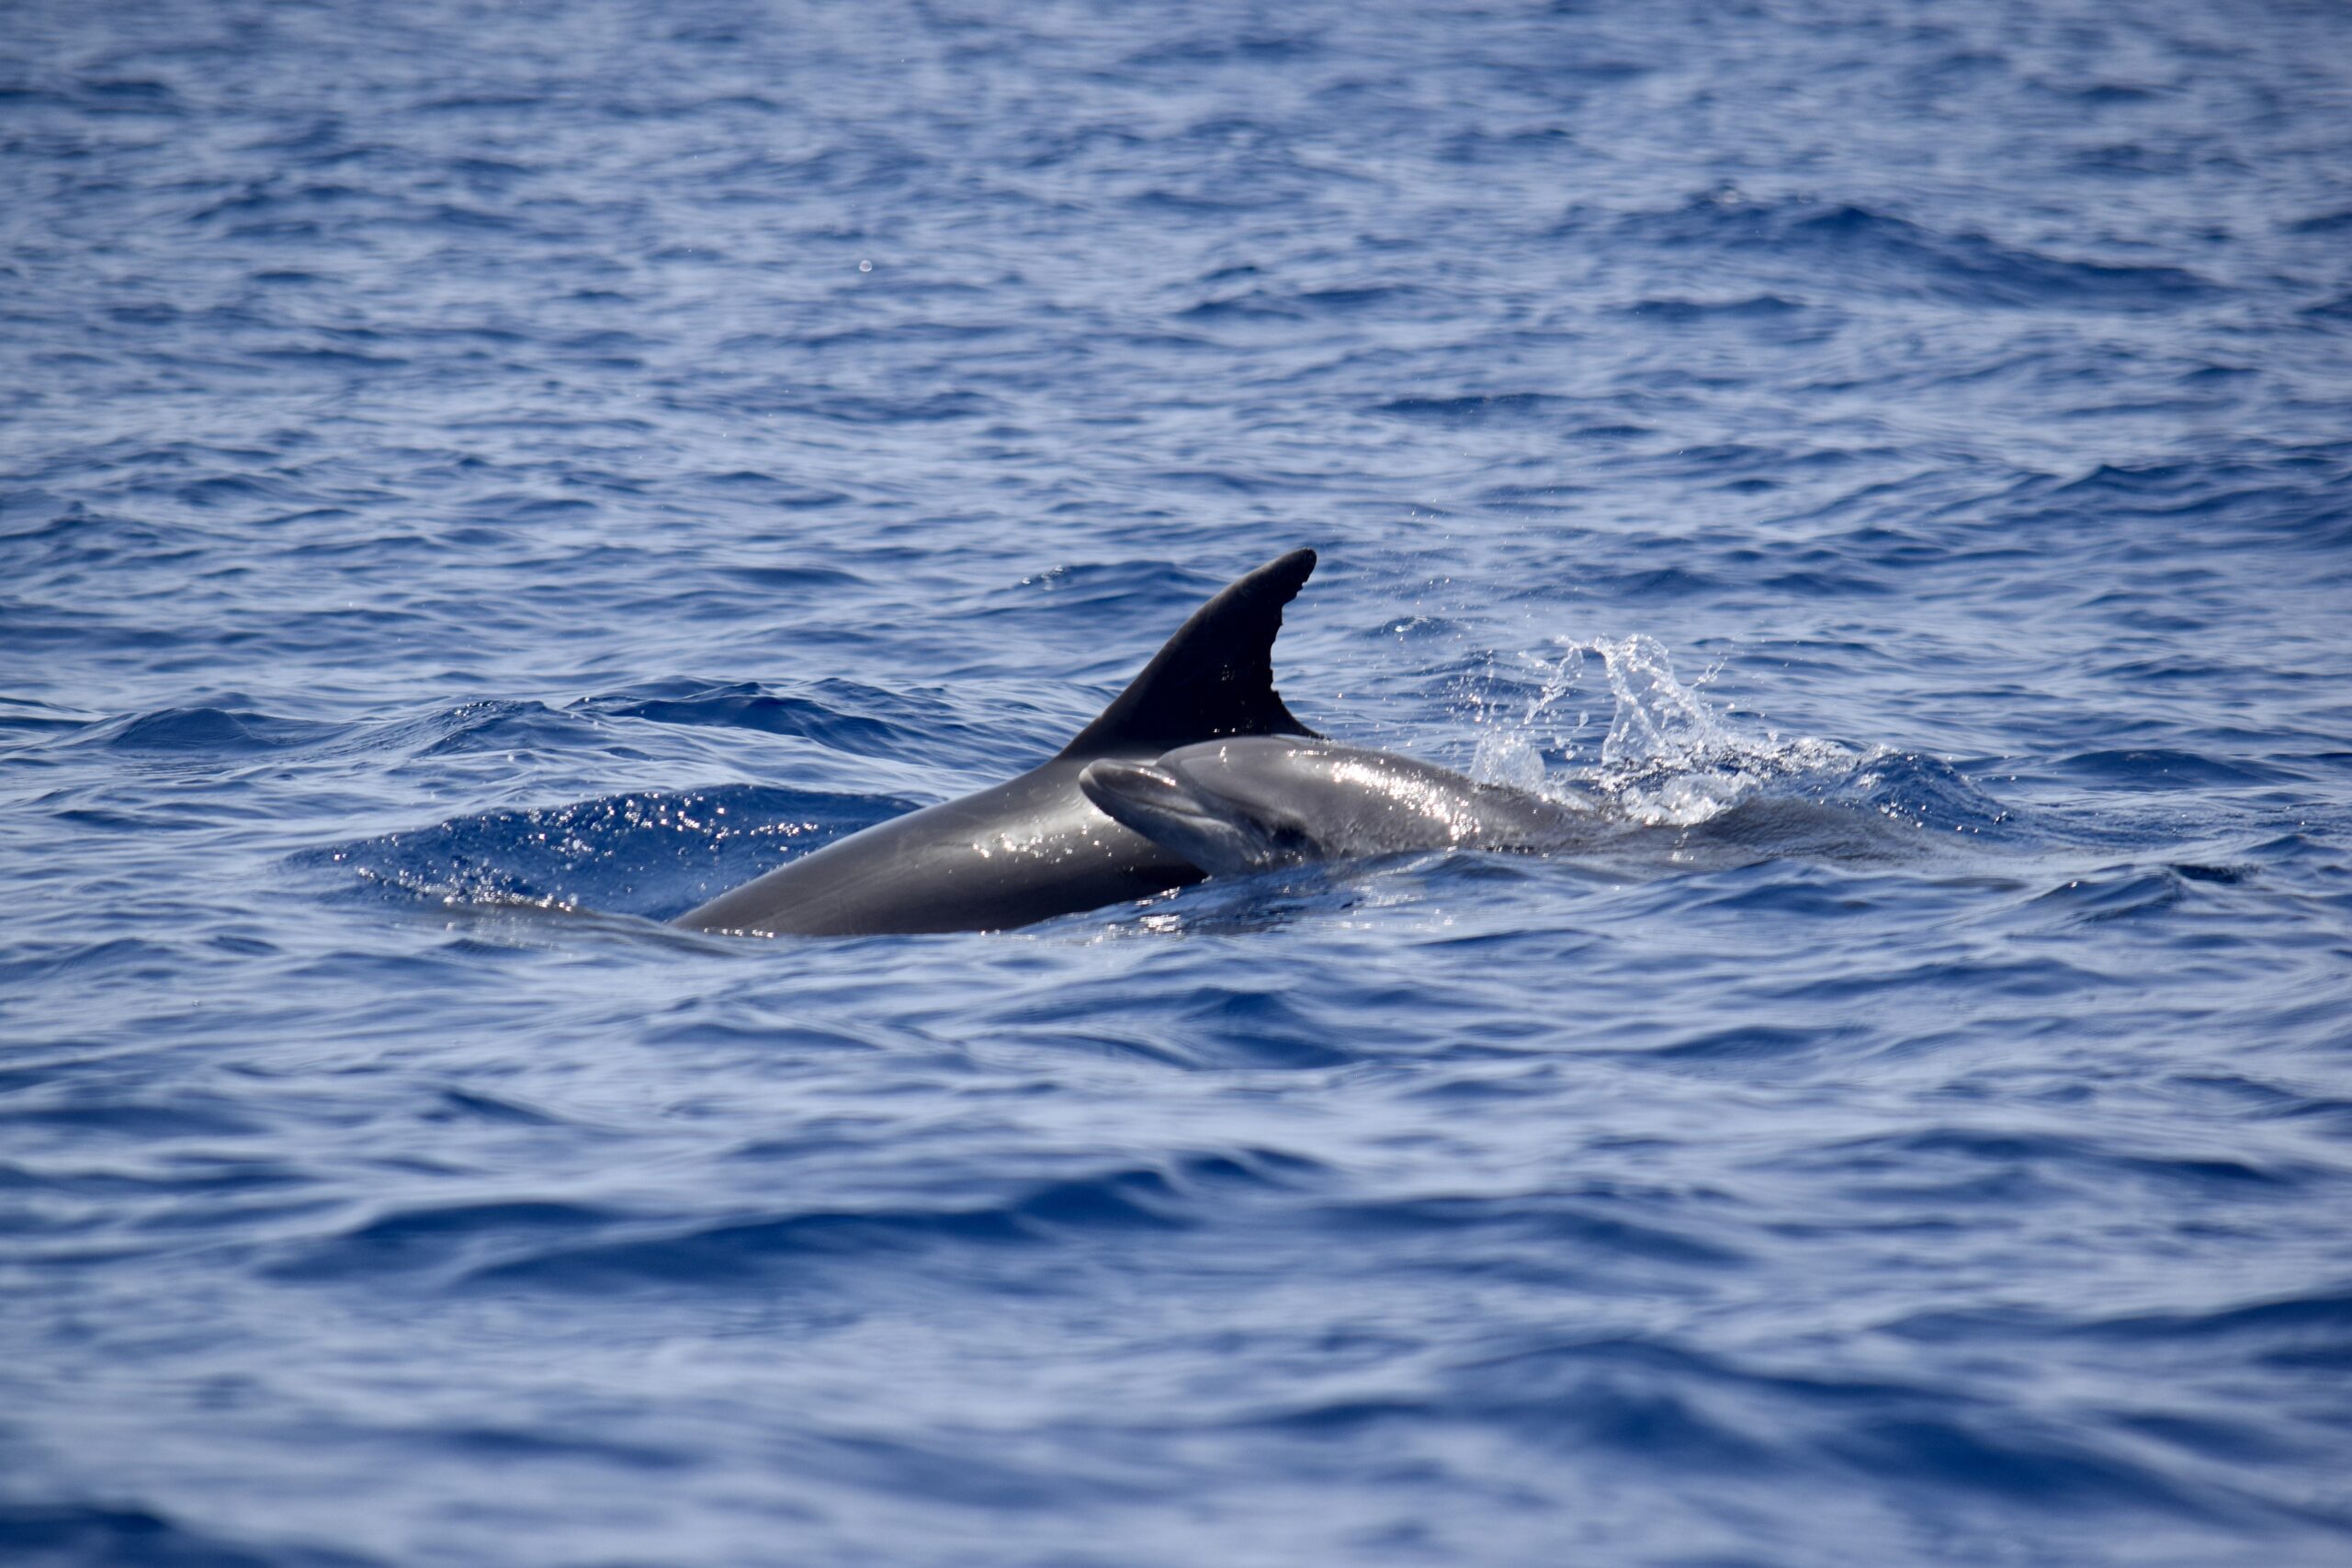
[1032, 847]
[1231, 806]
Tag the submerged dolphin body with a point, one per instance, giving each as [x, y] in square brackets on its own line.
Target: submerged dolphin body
[1033, 847]
[1231, 806]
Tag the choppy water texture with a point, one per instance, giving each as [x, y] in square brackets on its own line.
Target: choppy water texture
[463, 463]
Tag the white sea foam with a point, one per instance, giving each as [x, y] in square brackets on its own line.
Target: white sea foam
[1667, 755]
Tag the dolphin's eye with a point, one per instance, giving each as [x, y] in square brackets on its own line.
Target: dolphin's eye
[1287, 840]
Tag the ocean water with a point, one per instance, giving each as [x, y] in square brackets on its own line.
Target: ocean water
[476, 480]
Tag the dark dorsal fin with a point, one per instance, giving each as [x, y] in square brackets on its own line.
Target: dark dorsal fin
[1215, 676]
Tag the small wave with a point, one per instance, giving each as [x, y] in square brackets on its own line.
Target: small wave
[37, 1533]
[493, 726]
[28, 721]
[222, 731]
[142, 1119]
[2094, 898]
[128, 93]
[567, 1248]
[433, 1234]
[841, 715]
[2312, 1331]
[655, 854]
[1208, 1027]
[2009, 1165]
[1300, 305]
[1751, 307]
[846, 408]
[1221, 48]
[2323, 223]
[1478, 407]
[774, 492]
[2015, 1463]
[1578, 1225]
[2306, 1334]
[1897, 255]
[2158, 768]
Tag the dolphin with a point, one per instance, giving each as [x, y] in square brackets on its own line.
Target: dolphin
[1243, 803]
[1032, 847]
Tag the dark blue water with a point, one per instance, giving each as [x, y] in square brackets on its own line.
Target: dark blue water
[476, 480]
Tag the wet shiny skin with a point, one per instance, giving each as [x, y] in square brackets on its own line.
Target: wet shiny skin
[1233, 806]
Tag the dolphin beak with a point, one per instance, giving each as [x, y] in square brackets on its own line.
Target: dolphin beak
[1121, 789]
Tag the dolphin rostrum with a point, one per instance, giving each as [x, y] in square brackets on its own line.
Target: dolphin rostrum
[1033, 847]
[1231, 806]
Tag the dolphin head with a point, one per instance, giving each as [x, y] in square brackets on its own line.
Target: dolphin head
[1197, 803]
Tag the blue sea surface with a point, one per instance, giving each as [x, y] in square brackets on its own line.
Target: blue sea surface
[477, 479]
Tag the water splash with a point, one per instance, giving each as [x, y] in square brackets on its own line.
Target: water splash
[1668, 757]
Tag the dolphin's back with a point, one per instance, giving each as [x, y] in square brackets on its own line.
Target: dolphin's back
[1384, 803]
[1026, 849]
